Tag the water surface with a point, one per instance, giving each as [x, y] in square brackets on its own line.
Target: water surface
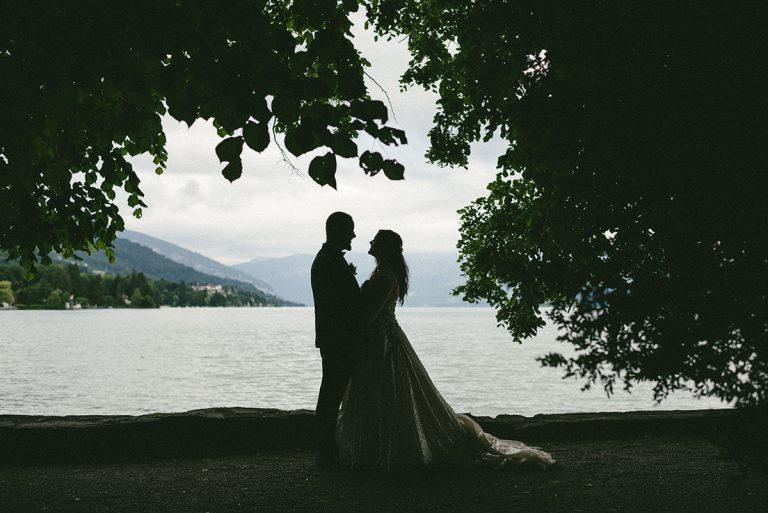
[177, 359]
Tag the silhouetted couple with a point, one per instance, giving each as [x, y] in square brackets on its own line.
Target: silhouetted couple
[391, 415]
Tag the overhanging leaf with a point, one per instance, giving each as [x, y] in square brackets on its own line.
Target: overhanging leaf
[351, 83]
[286, 108]
[369, 110]
[233, 170]
[389, 135]
[256, 136]
[343, 146]
[371, 162]
[304, 138]
[323, 169]
[183, 108]
[260, 111]
[229, 149]
[393, 169]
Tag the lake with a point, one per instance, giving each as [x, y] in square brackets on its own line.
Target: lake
[109, 362]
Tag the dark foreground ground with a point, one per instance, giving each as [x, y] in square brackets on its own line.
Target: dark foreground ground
[665, 461]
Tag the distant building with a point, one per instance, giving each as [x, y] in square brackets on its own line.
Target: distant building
[209, 288]
[72, 304]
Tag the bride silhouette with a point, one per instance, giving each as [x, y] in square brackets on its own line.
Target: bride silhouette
[392, 416]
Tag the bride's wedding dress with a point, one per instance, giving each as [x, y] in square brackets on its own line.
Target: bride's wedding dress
[392, 416]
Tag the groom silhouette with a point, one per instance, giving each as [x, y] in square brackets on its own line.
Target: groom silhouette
[337, 304]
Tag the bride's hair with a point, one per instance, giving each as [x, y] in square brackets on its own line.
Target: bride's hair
[391, 257]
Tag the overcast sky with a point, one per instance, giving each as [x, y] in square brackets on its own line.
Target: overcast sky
[274, 211]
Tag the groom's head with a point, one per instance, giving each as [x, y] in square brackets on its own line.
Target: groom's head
[340, 230]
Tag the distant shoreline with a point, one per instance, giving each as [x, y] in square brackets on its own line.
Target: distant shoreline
[163, 307]
[38, 308]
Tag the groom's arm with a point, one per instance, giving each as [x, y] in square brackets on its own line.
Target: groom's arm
[322, 286]
[331, 309]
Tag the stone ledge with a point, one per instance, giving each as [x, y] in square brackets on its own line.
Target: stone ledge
[216, 431]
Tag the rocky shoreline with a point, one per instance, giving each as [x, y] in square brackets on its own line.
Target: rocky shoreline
[220, 431]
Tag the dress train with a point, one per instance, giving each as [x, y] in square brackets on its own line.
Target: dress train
[392, 415]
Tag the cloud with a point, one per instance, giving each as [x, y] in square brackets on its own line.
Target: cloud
[191, 189]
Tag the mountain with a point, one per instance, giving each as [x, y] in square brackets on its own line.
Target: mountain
[131, 257]
[194, 260]
[289, 276]
[433, 276]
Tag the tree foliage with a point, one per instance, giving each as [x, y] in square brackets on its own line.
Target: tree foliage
[84, 85]
[6, 293]
[631, 196]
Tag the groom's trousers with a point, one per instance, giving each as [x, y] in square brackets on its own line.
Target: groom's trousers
[337, 369]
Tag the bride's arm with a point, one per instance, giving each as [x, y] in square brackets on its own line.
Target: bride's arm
[375, 292]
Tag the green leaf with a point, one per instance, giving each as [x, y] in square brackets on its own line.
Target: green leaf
[292, 143]
[369, 110]
[256, 135]
[228, 116]
[371, 162]
[222, 132]
[260, 111]
[321, 114]
[351, 83]
[343, 146]
[286, 108]
[323, 169]
[394, 170]
[183, 108]
[389, 135]
[233, 170]
[301, 61]
[304, 138]
[372, 129]
[229, 149]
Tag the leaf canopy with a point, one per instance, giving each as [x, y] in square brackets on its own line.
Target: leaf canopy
[84, 86]
[631, 197]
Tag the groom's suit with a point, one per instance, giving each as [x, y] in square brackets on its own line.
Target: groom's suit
[337, 333]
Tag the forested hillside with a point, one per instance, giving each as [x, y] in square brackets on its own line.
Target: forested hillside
[61, 286]
[194, 260]
[132, 256]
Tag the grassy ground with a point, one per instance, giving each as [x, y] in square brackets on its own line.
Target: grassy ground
[621, 474]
